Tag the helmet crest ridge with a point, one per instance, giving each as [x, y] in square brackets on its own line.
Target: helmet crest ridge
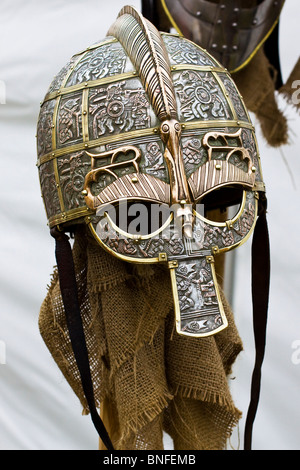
[145, 48]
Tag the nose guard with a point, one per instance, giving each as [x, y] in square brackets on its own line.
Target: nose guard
[198, 306]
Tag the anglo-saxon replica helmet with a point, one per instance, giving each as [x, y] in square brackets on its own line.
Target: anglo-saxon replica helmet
[140, 138]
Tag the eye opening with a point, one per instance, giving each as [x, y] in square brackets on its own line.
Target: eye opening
[222, 203]
[140, 218]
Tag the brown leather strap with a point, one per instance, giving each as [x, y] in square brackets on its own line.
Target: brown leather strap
[260, 299]
[68, 286]
[271, 49]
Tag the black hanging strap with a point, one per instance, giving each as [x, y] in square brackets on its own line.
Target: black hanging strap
[69, 294]
[260, 299]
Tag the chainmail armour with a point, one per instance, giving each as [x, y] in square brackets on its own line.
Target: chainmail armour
[148, 378]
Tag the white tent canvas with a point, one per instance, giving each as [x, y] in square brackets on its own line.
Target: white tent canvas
[38, 410]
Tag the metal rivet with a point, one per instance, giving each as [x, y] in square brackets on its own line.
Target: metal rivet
[234, 25]
[183, 201]
[218, 166]
[236, 10]
[219, 21]
[253, 169]
[214, 45]
[224, 46]
[234, 48]
[136, 240]
[86, 145]
[84, 112]
[198, 13]
[86, 84]
[84, 192]
[134, 179]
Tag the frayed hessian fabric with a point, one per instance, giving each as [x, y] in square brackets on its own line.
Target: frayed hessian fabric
[147, 378]
[257, 86]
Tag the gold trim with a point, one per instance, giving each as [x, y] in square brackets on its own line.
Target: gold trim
[88, 84]
[94, 46]
[55, 168]
[244, 239]
[170, 18]
[259, 162]
[139, 133]
[96, 143]
[69, 215]
[230, 222]
[118, 255]
[84, 116]
[199, 68]
[138, 237]
[217, 124]
[54, 119]
[226, 94]
[58, 186]
[259, 186]
[224, 224]
[229, 100]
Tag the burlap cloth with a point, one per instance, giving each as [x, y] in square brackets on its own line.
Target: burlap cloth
[149, 378]
[256, 83]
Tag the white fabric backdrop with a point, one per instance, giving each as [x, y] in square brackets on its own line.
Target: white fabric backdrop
[38, 410]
